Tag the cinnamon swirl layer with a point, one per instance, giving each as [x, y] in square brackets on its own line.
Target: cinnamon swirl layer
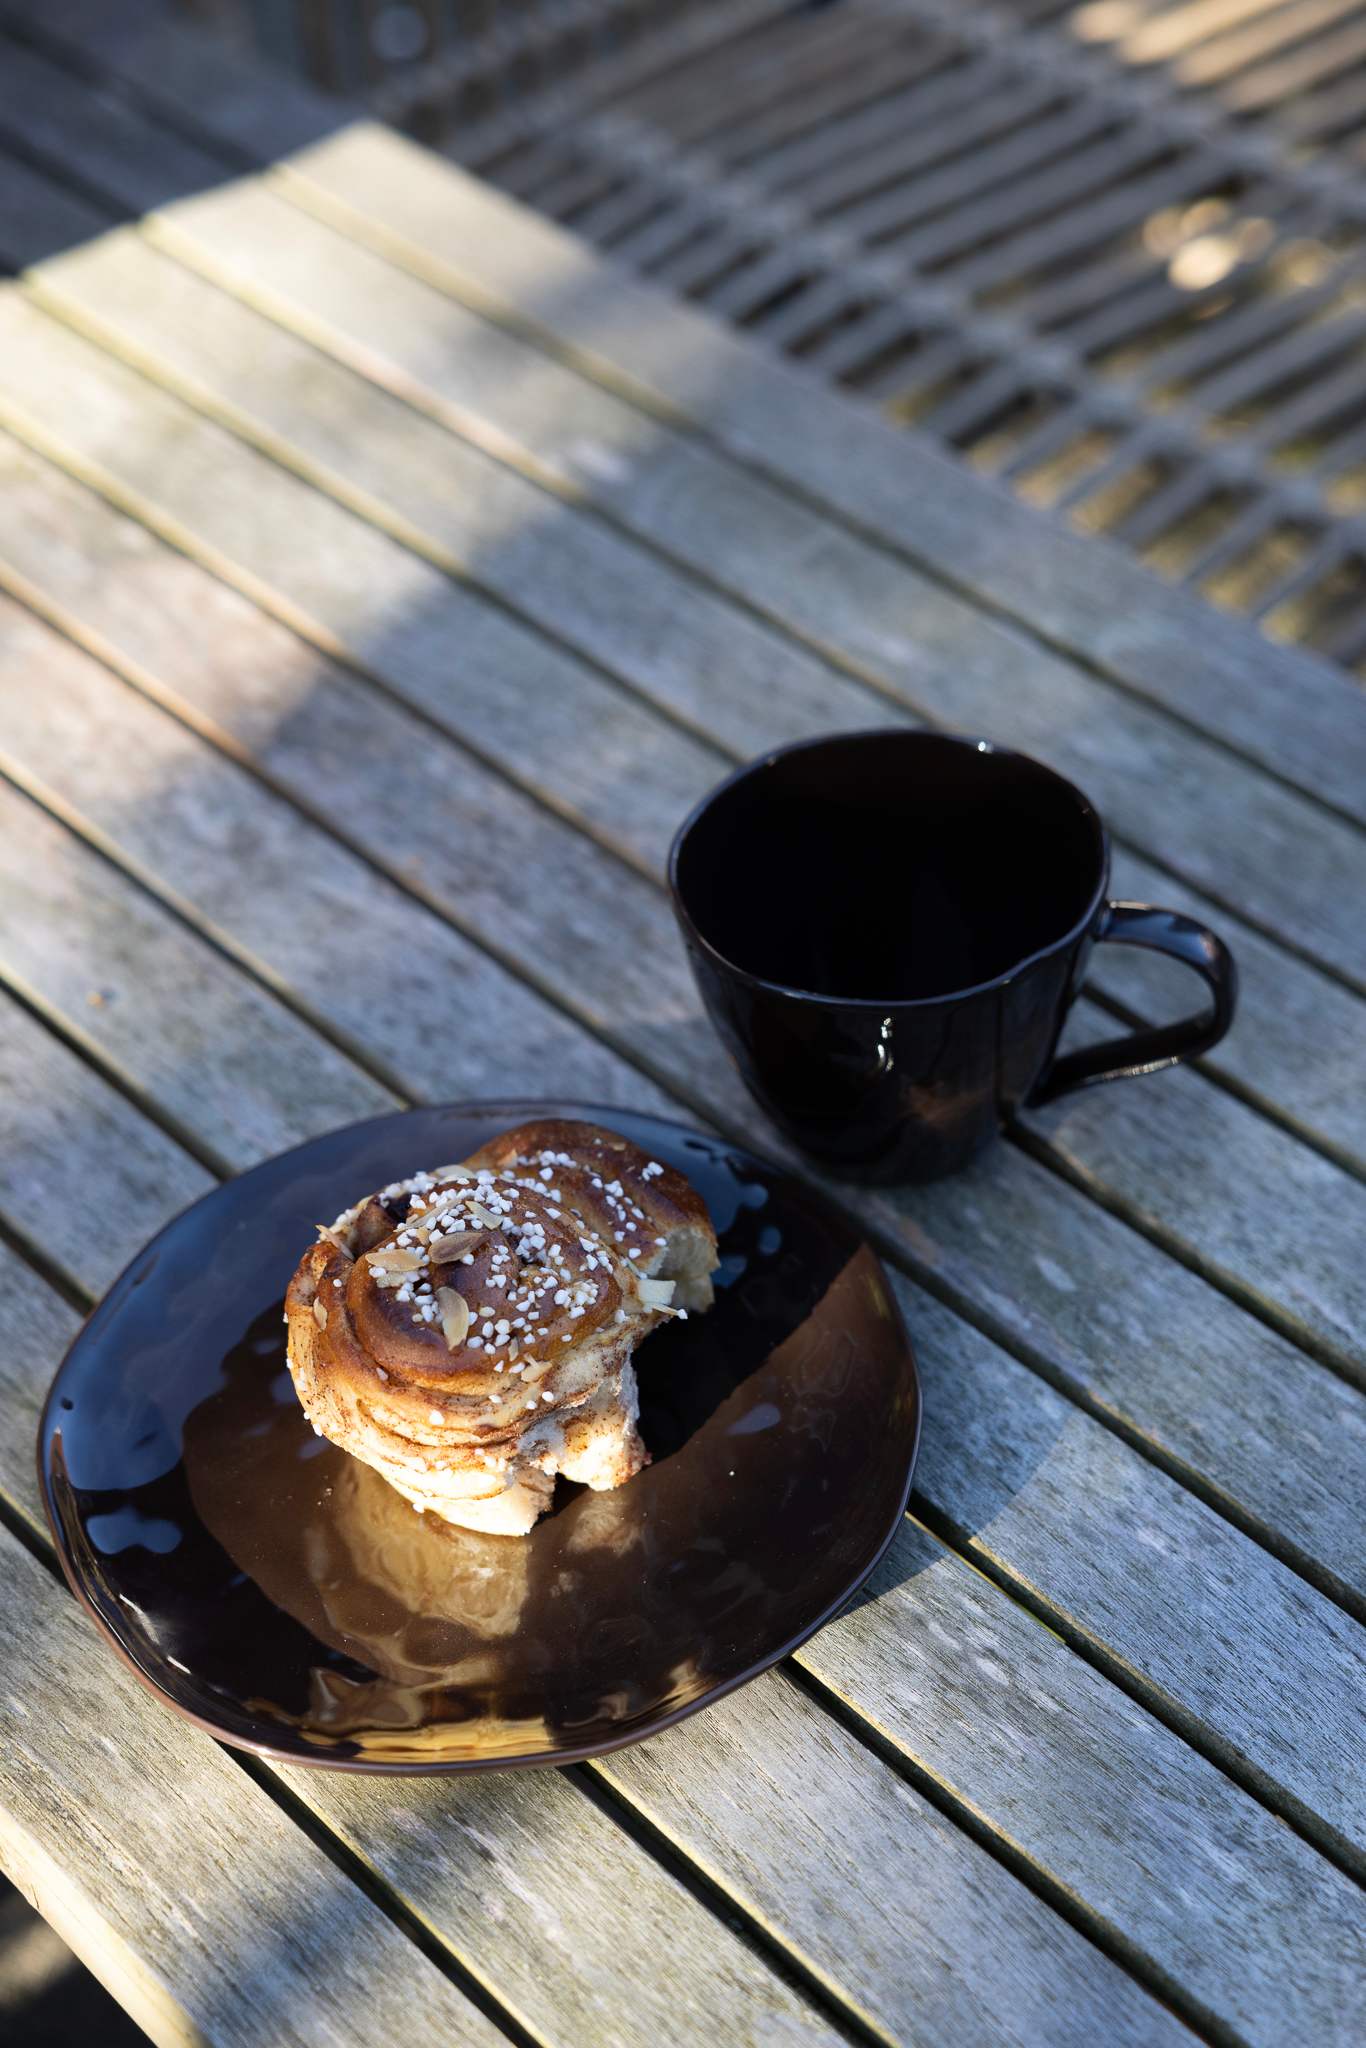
[468, 1331]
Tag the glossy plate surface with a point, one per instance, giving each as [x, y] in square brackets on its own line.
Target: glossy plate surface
[280, 1593]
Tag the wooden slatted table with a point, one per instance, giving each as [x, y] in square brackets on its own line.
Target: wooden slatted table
[381, 577]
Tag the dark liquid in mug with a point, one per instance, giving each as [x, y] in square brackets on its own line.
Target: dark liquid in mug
[878, 891]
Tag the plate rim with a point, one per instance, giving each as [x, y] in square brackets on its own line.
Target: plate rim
[521, 1109]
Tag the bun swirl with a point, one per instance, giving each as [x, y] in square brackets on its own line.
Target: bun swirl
[468, 1332]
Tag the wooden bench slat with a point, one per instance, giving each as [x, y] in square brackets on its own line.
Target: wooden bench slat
[216, 1052]
[1026, 1455]
[1286, 1009]
[383, 971]
[1247, 1723]
[505, 1870]
[797, 1820]
[1223, 825]
[512, 1852]
[98, 140]
[1294, 713]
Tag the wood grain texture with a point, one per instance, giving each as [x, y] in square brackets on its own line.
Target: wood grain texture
[361, 591]
[1292, 712]
[496, 391]
[371, 448]
[958, 1678]
[54, 1110]
[168, 1014]
[374, 964]
[1300, 1041]
[740, 1782]
[1114, 1597]
[492, 1865]
[1043, 1486]
[173, 1876]
[1061, 1510]
[1223, 826]
[1223, 1396]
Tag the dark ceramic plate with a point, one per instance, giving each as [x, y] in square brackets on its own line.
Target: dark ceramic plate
[282, 1595]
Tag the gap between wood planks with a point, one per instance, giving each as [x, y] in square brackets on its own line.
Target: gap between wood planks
[336, 490]
[1147, 1694]
[770, 1946]
[300, 189]
[1232, 1084]
[207, 557]
[396, 1084]
[767, 1948]
[174, 119]
[1165, 1460]
[397, 529]
[401, 531]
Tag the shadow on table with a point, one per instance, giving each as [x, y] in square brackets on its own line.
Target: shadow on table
[424, 872]
[48, 1999]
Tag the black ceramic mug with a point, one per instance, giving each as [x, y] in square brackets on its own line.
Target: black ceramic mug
[888, 929]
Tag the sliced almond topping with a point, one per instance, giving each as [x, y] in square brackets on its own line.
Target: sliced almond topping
[483, 1218]
[394, 1258]
[455, 1316]
[655, 1293]
[453, 1245]
[319, 1313]
[331, 1236]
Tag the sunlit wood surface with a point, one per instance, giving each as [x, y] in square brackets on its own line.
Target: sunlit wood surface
[381, 577]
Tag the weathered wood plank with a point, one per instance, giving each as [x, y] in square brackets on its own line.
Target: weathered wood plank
[383, 972]
[488, 1865]
[319, 552]
[55, 1109]
[226, 353]
[1224, 826]
[37, 217]
[500, 685]
[720, 1791]
[1297, 715]
[152, 607]
[1214, 1555]
[615, 602]
[171, 1874]
[1041, 1492]
[1281, 996]
[495, 389]
[219, 1054]
[1275, 1220]
[1285, 1009]
[923, 1606]
[818, 1837]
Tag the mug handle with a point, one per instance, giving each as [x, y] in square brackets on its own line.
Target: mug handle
[1161, 1045]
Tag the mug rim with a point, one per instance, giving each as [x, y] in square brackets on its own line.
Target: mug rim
[972, 742]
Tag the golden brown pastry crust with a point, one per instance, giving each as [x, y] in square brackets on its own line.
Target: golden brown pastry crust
[468, 1332]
